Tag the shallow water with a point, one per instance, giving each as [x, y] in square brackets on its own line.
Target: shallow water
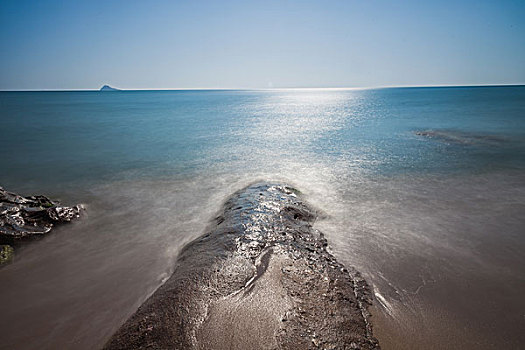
[434, 220]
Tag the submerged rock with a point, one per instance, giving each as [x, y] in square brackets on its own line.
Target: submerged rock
[462, 138]
[261, 278]
[21, 217]
[6, 254]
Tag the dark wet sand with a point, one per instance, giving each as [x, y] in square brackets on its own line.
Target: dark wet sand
[262, 278]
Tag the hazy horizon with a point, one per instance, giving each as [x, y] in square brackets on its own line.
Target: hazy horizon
[56, 45]
[263, 89]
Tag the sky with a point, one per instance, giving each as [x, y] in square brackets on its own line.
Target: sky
[259, 44]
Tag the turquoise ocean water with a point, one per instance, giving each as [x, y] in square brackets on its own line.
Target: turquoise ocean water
[423, 191]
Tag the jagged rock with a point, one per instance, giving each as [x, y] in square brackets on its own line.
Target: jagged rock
[261, 278]
[34, 215]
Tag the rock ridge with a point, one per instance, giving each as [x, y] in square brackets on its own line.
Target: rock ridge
[261, 278]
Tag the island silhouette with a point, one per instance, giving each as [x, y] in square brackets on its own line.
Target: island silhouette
[108, 88]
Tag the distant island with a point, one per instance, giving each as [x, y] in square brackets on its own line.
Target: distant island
[108, 88]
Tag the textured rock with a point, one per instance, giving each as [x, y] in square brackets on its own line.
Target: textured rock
[21, 217]
[261, 278]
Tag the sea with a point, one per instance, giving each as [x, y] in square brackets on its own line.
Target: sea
[422, 190]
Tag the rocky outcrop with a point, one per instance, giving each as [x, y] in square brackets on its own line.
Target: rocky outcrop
[261, 278]
[22, 217]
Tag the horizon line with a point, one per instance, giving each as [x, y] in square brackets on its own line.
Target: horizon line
[266, 89]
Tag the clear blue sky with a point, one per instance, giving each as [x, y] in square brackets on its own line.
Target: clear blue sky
[259, 44]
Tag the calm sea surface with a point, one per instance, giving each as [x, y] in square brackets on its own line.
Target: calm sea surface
[423, 190]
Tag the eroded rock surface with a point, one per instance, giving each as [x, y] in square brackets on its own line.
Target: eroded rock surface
[261, 278]
[21, 217]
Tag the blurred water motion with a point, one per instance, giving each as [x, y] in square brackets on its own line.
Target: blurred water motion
[436, 227]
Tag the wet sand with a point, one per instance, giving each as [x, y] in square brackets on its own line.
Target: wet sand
[261, 278]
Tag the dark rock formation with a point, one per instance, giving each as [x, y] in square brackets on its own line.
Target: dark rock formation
[108, 88]
[21, 217]
[261, 278]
